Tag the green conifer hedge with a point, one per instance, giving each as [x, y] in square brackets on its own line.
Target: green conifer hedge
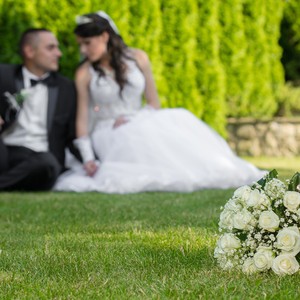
[217, 58]
[290, 40]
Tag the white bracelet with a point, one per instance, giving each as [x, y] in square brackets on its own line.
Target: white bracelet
[84, 145]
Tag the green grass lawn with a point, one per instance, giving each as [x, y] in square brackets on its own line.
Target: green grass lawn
[141, 246]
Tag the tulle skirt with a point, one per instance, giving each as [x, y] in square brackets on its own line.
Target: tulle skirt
[163, 150]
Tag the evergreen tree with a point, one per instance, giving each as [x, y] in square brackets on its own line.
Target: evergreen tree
[262, 102]
[233, 53]
[15, 17]
[210, 72]
[179, 54]
[118, 11]
[274, 13]
[144, 32]
[290, 40]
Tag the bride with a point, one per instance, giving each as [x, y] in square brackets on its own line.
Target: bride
[127, 148]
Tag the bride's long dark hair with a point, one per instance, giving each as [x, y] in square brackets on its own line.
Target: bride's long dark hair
[116, 47]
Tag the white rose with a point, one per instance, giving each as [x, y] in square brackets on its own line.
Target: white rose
[288, 240]
[218, 252]
[285, 264]
[269, 221]
[275, 188]
[249, 266]
[233, 205]
[224, 261]
[228, 242]
[242, 193]
[226, 219]
[291, 201]
[243, 220]
[263, 258]
[257, 199]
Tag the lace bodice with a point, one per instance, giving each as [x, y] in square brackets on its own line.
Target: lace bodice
[105, 94]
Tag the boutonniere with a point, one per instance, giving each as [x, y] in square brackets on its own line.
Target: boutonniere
[10, 106]
[16, 100]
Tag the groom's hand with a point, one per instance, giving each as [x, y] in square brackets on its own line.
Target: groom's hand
[91, 168]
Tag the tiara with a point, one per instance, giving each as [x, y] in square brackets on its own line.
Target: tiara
[105, 16]
[80, 20]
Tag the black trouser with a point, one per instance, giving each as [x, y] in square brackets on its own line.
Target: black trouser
[25, 169]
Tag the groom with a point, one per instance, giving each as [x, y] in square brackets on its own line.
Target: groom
[32, 149]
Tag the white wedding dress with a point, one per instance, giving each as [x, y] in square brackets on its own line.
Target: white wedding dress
[157, 150]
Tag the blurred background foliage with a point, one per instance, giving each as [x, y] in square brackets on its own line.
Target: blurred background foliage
[217, 58]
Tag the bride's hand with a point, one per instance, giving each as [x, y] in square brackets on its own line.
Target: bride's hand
[120, 121]
[90, 168]
[1, 122]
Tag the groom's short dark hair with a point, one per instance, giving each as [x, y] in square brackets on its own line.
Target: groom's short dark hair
[29, 37]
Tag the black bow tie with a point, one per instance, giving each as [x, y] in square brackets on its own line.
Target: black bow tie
[45, 81]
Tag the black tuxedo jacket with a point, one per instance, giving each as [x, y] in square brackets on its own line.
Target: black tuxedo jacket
[61, 108]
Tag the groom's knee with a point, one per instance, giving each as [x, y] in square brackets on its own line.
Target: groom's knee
[44, 172]
[3, 157]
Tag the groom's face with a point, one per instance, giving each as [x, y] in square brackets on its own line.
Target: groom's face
[44, 53]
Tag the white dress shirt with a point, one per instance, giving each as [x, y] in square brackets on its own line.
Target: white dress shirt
[30, 129]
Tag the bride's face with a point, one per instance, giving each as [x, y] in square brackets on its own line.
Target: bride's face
[93, 48]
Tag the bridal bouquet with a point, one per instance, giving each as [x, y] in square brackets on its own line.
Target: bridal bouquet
[259, 227]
